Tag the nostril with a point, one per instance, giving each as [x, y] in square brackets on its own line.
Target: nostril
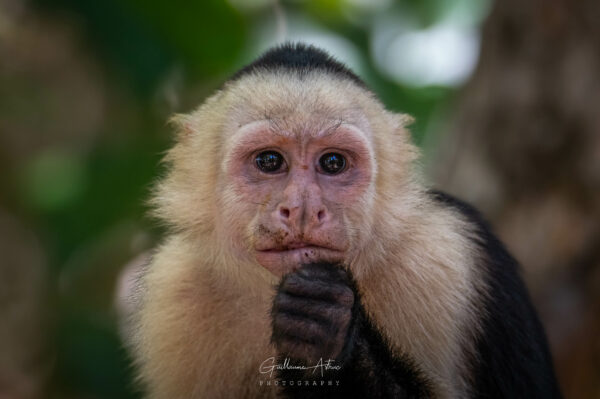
[321, 215]
[284, 212]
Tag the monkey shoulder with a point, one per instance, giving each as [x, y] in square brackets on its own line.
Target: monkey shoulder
[512, 354]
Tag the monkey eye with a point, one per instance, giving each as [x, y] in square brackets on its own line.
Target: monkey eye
[269, 161]
[332, 163]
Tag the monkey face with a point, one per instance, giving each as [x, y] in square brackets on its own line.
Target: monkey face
[304, 175]
[284, 169]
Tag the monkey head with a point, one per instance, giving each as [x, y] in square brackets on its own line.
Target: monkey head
[295, 180]
[299, 169]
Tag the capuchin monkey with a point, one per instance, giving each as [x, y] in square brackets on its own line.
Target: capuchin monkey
[306, 258]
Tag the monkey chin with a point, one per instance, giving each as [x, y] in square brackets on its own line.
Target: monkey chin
[284, 261]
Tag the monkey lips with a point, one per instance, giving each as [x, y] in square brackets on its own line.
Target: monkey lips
[284, 259]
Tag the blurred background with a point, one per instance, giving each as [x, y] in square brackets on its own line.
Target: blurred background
[506, 97]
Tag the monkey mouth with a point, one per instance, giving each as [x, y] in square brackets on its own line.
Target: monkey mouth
[306, 249]
[294, 245]
[283, 259]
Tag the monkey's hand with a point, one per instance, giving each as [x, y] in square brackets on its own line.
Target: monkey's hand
[312, 314]
[317, 317]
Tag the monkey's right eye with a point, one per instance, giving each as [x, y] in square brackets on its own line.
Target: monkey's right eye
[269, 161]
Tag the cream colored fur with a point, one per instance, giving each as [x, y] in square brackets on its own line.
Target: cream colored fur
[203, 326]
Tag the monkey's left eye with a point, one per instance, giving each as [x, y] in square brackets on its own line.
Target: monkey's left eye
[269, 161]
[332, 163]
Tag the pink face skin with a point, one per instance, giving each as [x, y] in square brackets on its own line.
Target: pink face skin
[300, 206]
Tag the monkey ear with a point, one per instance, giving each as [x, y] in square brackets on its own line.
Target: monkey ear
[404, 120]
[183, 126]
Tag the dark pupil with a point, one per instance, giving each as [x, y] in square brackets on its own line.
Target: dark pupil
[332, 163]
[269, 161]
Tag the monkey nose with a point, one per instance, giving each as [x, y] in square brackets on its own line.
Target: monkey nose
[284, 213]
[295, 216]
[289, 214]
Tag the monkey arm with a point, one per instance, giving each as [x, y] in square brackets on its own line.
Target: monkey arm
[317, 315]
[372, 370]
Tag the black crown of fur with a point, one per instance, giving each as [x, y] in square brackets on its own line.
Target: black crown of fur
[298, 57]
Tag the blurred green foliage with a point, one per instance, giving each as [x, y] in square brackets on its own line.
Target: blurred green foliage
[84, 196]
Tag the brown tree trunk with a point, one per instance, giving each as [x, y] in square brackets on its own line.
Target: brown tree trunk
[524, 148]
